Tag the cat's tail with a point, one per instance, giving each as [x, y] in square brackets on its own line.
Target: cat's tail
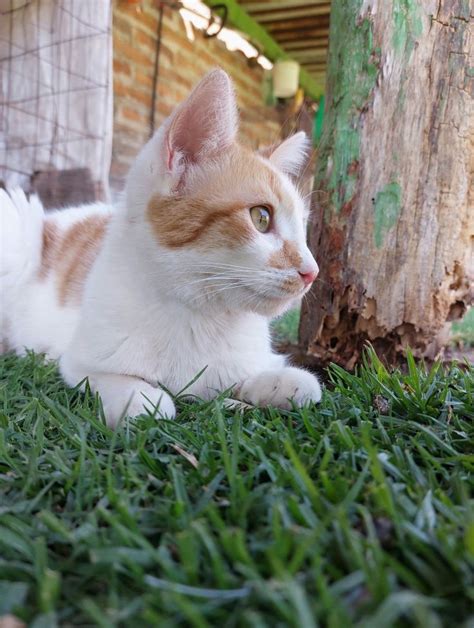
[21, 237]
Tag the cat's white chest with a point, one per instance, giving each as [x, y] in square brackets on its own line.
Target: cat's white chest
[216, 353]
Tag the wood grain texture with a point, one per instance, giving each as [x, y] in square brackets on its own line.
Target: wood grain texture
[394, 217]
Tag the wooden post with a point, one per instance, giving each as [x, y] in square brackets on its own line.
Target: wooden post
[393, 224]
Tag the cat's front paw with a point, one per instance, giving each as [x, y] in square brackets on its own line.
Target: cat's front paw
[281, 388]
[123, 395]
[147, 398]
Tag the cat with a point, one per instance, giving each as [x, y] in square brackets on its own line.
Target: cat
[182, 277]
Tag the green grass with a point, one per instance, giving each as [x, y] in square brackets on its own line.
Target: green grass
[463, 331]
[285, 328]
[352, 513]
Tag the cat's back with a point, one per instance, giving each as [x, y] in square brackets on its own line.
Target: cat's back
[72, 239]
[43, 290]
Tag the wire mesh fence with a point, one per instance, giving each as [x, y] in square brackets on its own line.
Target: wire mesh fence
[55, 89]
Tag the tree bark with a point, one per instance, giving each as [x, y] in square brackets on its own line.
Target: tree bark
[393, 221]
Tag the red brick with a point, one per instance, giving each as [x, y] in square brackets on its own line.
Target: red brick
[143, 79]
[132, 114]
[120, 67]
[171, 93]
[141, 96]
[122, 25]
[132, 92]
[142, 38]
[148, 20]
[120, 90]
[177, 41]
[180, 80]
[131, 53]
[164, 108]
[182, 65]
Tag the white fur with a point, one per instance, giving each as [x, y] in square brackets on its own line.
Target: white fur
[280, 387]
[154, 316]
[291, 154]
[31, 315]
[20, 237]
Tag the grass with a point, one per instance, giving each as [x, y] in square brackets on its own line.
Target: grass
[463, 331]
[285, 328]
[353, 513]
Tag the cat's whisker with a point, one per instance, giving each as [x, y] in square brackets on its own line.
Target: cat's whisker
[221, 278]
[212, 278]
[222, 264]
[258, 276]
[210, 269]
[223, 288]
[310, 194]
[225, 285]
[309, 296]
[231, 267]
[223, 273]
[321, 280]
[309, 161]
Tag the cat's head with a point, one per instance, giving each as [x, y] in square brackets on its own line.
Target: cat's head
[228, 224]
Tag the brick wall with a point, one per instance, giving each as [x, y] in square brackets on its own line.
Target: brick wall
[182, 64]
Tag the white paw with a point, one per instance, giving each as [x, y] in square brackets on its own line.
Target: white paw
[280, 388]
[127, 396]
[147, 398]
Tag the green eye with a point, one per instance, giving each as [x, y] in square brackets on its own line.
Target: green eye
[261, 218]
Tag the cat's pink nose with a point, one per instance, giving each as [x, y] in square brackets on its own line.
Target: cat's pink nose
[308, 277]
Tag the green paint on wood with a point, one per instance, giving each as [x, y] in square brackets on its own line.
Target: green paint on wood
[407, 28]
[352, 70]
[318, 121]
[465, 10]
[387, 206]
[270, 48]
[407, 25]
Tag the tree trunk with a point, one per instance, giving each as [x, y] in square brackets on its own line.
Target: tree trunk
[393, 223]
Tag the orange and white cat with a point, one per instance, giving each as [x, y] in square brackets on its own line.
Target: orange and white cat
[207, 245]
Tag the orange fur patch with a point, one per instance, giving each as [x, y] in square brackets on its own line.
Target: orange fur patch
[215, 213]
[80, 247]
[70, 255]
[178, 222]
[246, 169]
[287, 257]
[51, 237]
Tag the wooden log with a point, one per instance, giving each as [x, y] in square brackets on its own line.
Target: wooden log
[393, 224]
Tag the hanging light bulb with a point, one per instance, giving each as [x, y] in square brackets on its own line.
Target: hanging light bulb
[286, 74]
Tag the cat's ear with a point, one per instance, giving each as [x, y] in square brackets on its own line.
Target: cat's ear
[203, 125]
[290, 155]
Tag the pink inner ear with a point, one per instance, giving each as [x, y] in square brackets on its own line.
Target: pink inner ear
[206, 123]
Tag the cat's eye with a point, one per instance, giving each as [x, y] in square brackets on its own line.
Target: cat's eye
[261, 217]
